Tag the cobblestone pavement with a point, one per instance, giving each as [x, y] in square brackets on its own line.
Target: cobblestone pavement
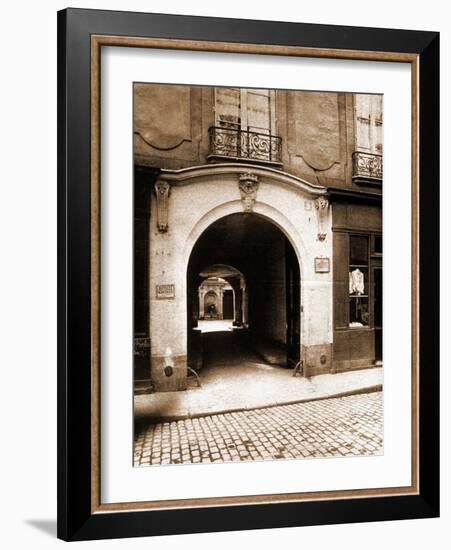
[345, 426]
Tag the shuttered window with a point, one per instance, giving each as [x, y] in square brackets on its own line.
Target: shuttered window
[228, 108]
[244, 109]
[368, 123]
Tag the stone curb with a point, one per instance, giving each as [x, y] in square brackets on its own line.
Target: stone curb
[175, 418]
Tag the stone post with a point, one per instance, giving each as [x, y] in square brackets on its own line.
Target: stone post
[238, 303]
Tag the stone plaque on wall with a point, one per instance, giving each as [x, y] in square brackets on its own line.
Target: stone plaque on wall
[322, 265]
[165, 292]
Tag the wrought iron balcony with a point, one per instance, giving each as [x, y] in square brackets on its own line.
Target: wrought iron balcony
[233, 143]
[367, 168]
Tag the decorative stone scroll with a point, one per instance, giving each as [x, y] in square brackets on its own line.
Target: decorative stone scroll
[162, 190]
[321, 205]
[248, 184]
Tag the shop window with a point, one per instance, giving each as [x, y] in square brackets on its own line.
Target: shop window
[359, 312]
[377, 244]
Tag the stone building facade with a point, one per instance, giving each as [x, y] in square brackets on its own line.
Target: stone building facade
[278, 192]
[216, 299]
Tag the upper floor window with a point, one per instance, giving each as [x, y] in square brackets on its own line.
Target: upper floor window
[228, 108]
[368, 123]
[248, 110]
[245, 126]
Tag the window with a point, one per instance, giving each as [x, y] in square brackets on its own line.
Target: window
[228, 108]
[368, 123]
[245, 126]
[377, 244]
[241, 109]
[359, 312]
[258, 112]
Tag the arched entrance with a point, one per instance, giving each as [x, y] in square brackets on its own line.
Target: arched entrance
[255, 257]
[215, 298]
[255, 220]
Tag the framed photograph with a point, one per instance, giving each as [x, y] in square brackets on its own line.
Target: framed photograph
[248, 274]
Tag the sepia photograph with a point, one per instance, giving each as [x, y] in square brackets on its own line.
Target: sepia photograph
[258, 283]
[248, 273]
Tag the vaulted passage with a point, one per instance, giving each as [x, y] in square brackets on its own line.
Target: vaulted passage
[243, 268]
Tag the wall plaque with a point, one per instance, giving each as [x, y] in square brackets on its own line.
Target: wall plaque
[165, 292]
[322, 265]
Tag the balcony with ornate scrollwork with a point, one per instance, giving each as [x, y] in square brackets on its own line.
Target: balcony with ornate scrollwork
[367, 168]
[236, 144]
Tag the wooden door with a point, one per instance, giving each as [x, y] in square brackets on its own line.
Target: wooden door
[293, 306]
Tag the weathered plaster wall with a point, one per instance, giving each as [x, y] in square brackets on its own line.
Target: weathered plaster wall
[171, 124]
[317, 130]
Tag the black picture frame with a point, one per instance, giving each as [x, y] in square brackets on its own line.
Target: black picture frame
[76, 519]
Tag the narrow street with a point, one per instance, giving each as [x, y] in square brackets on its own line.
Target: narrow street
[345, 426]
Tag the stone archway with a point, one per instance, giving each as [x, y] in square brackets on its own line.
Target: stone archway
[266, 284]
[297, 208]
[232, 290]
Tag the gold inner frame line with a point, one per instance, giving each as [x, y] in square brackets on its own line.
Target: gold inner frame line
[97, 41]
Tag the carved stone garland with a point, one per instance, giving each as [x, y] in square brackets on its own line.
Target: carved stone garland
[162, 189]
[248, 184]
[321, 205]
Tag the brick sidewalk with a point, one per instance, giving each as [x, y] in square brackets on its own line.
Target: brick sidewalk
[346, 426]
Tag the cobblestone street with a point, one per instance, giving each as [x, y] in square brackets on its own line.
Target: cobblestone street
[346, 426]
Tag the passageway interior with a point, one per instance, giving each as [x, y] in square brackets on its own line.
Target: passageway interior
[243, 276]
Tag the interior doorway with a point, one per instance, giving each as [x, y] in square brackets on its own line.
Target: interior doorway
[377, 299]
[227, 305]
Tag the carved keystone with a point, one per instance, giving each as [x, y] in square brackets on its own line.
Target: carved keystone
[248, 184]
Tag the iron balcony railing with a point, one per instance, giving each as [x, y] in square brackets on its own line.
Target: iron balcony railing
[367, 167]
[244, 144]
